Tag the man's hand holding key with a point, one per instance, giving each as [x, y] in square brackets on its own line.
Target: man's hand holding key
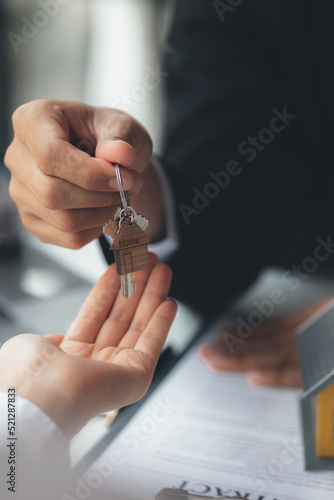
[63, 178]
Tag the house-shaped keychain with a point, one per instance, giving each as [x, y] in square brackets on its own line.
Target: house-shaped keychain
[316, 353]
[130, 248]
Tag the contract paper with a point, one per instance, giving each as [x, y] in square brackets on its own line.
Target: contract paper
[210, 434]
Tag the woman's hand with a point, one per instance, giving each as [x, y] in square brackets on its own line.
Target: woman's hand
[107, 358]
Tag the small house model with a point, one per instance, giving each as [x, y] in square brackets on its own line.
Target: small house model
[316, 352]
[130, 248]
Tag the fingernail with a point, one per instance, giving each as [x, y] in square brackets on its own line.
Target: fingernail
[172, 300]
[138, 183]
[112, 141]
[113, 184]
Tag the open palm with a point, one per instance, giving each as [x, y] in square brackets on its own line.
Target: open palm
[107, 358]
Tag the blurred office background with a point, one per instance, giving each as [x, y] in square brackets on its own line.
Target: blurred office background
[95, 51]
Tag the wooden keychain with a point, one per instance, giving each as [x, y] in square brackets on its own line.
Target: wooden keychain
[130, 241]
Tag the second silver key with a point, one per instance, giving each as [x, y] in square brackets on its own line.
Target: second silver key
[127, 285]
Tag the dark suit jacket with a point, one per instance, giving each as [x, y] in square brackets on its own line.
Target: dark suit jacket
[252, 85]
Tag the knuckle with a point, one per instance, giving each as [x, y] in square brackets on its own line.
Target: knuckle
[121, 317]
[22, 113]
[50, 196]
[15, 192]
[67, 221]
[41, 237]
[12, 190]
[121, 117]
[19, 115]
[76, 241]
[87, 177]
[8, 156]
[45, 159]
[139, 326]
[26, 221]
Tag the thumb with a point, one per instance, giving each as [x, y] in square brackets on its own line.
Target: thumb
[121, 139]
[115, 151]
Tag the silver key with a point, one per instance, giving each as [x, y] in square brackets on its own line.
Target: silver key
[129, 241]
[127, 285]
[141, 221]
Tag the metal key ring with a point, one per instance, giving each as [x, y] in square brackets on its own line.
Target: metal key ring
[121, 189]
[129, 214]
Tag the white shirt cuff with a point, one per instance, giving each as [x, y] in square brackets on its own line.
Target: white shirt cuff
[34, 455]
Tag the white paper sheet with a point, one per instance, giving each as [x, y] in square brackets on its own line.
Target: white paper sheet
[210, 434]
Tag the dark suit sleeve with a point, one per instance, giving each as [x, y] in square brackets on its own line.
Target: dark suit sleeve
[109, 255]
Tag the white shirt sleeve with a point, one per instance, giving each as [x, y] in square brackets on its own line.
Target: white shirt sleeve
[166, 247]
[34, 454]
